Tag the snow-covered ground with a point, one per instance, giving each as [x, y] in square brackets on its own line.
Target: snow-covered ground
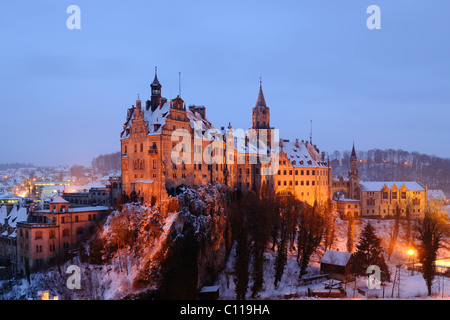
[115, 281]
[411, 286]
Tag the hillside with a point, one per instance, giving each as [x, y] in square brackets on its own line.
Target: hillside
[395, 165]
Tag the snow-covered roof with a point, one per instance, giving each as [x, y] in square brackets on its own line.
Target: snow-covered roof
[144, 181]
[436, 194]
[17, 214]
[79, 209]
[305, 155]
[209, 289]
[378, 185]
[58, 199]
[338, 258]
[157, 119]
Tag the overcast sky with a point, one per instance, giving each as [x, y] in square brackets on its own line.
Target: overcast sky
[65, 93]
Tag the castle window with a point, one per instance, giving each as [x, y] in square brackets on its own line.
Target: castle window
[284, 172]
[403, 195]
[279, 183]
[38, 235]
[394, 195]
[142, 147]
[290, 172]
[313, 172]
[385, 195]
[302, 172]
[154, 164]
[296, 183]
[307, 172]
[296, 172]
[135, 148]
[126, 150]
[284, 183]
[290, 183]
[52, 234]
[307, 183]
[312, 182]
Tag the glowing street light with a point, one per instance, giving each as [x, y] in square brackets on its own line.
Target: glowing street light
[411, 254]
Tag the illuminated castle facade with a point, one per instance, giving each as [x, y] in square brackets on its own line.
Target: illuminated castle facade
[166, 146]
[154, 132]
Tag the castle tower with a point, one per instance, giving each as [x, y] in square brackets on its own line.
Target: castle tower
[353, 175]
[261, 113]
[155, 92]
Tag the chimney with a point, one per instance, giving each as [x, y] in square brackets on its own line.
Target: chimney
[323, 155]
[281, 143]
[296, 143]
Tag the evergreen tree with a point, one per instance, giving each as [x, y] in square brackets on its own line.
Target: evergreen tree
[369, 252]
[240, 233]
[281, 258]
[259, 213]
[433, 230]
[350, 233]
[394, 233]
[179, 270]
[408, 225]
[311, 229]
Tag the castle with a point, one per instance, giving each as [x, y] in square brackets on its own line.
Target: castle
[251, 160]
[166, 146]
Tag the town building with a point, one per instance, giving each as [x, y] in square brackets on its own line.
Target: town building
[10, 215]
[95, 193]
[338, 265]
[48, 235]
[383, 199]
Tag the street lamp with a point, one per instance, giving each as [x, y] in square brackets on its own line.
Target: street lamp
[411, 253]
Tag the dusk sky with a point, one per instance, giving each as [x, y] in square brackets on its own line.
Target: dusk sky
[65, 93]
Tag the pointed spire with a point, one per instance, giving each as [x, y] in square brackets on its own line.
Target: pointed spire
[353, 151]
[261, 102]
[155, 81]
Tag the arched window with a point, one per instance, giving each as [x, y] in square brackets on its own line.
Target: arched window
[126, 150]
